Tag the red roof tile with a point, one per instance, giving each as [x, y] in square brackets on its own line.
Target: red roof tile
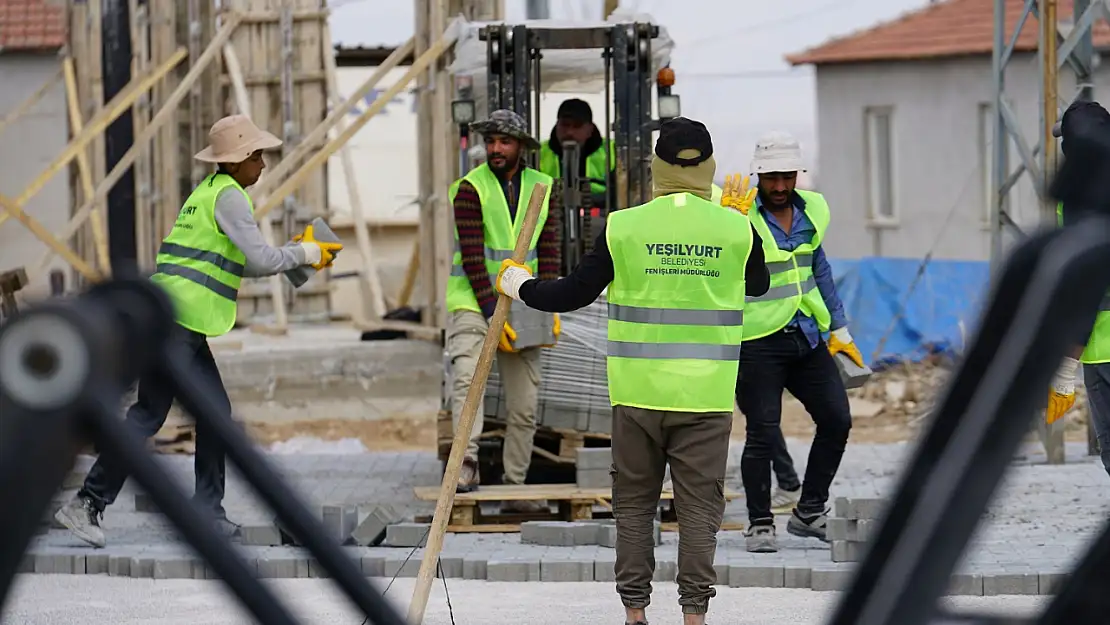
[32, 25]
[944, 29]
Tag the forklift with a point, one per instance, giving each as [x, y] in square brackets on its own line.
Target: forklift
[514, 81]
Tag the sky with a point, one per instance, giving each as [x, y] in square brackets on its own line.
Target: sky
[728, 55]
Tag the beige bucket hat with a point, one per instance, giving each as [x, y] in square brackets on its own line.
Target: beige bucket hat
[233, 139]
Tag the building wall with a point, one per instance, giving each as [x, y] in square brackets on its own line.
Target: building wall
[27, 147]
[939, 186]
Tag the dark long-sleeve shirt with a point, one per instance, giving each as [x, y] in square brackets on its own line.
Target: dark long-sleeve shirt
[472, 240]
[595, 272]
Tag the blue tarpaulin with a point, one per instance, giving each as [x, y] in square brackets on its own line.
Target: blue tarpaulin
[940, 314]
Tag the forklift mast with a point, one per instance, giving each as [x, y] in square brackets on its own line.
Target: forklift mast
[515, 82]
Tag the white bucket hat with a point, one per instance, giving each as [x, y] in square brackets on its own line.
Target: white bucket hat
[233, 139]
[777, 151]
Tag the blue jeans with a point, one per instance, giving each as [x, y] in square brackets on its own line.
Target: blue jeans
[1097, 380]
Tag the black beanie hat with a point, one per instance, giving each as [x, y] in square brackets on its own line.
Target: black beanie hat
[576, 109]
[678, 134]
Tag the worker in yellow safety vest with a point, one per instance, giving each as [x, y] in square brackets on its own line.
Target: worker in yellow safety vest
[784, 344]
[575, 122]
[212, 246]
[677, 270]
[1093, 346]
[489, 203]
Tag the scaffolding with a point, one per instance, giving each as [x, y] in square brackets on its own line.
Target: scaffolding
[1060, 42]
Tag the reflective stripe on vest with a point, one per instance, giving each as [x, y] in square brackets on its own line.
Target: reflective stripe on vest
[499, 230]
[552, 165]
[198, 266]
[793, 286]
[676, 304]
[1097, 350]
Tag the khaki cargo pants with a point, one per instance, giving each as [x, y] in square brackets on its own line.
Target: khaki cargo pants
[696, 446]
[520, 379]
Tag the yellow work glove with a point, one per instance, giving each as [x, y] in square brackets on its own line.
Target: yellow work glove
[841, 341]
[510, 277]
[508, 335]
[1061, 395]
[318, 254]
[736, 194]
[556, 329]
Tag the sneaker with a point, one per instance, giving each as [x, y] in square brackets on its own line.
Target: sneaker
[228, 529]
[82, 517]
[761, 539]
[468, 476]
[525, 506]
[809, 527]
[783, 501]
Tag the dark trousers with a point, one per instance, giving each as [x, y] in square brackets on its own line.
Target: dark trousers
[783, 464]
[784, 360]
[147, 416]
[1097, 380]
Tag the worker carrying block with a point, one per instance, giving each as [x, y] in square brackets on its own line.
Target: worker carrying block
[213, 245]
[677, 271]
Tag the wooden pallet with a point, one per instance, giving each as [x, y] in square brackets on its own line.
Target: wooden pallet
[553, 446]
[175, 438]
[575, 504]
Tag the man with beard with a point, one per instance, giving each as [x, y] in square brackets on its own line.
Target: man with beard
[489, 203]
[575, 122]
[784, 347]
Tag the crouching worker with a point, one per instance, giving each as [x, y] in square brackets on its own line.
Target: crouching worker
[214, 243]
[677, 270]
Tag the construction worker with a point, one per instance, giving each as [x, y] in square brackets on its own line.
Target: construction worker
[784, 347]
[214, 243]
[677, 270]
[1093, 344]
[489, 204]
[575, 122]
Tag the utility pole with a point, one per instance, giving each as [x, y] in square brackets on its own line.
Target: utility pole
[119, 136]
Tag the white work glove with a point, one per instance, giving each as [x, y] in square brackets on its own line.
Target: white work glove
[511, 277]
[1061, 396]
[312, 253]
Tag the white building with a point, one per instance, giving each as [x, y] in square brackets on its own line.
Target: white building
[904, 125]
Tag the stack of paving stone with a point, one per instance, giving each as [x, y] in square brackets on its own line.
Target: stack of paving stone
[854, 522]
[574, 390]
[601, 532]
[592, 467]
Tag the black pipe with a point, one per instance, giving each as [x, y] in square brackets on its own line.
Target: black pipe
[120, 135]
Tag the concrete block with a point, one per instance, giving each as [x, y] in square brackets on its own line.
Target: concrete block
[277, 568]
[559, 533]
[593, 478]
[830, 578]
[665, 571]
[607, 535]
[966, 584]
[303, 568]
[119, 566]
[27, 564]
[847, 550]
[841, 529]
[595, 458]
[868, 508]
[97, 564]
[866, 529]
[51, 563]
[1049, 583]
[748, 576]
[397, 566]
[1011, 584]
[200, 569]
[340, 522]
[142, 568]
[373, 566]
[842, 508]
[605, 569]
[512, 570]
[474, 568]
[566, 571]
[406, 534]
[450, 567]
[562, 419]
[317, 570]
[601, 423]
[172, 568]
[796, 576]
[261, 536]
[372, 524]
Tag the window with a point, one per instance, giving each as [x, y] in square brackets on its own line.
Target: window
[878, 131]
[986, 157]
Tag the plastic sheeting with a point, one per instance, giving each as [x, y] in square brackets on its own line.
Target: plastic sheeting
[941, 313]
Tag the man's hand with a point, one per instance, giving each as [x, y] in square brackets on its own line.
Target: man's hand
[556, 329]
[1061, 396]
[508, 335]
[317, 253]
[841, 341]
[736, 194]
[511, 276]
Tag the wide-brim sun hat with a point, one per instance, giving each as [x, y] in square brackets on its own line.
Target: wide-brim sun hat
[777, 151]
[233, 139]
[506, 122]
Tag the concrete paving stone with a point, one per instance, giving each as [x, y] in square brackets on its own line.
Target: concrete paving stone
[406, 534]
[566, 419]
[474, 568]
[261, 536]
[847, 550]
[119, 566]
[1011, 584]
[1049, 583]
[317, 570]
[744, 576]
[593, 478]
[602, 423]
[51, 563]
[450, 567]
[607, 535]
[594, 458]
[796, 576]
[372, 523]
[665, 570]
[97, 564]
[277, 567]
[966, 584]
[173, 568]
[840, 528]
[142, 568]
[566, 570]
[304, 568]
[830, 578]
[604, 569]
[512, 570]
[373, 565]
[397, 566]
[340, 522]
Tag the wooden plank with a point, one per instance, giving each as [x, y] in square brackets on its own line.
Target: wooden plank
[533, 492]
[100, 237]
[514, 528]
[140, 48]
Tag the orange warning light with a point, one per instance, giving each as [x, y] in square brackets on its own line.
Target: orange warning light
[665, 77]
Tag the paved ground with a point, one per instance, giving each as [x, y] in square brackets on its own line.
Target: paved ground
[1034, 530]
[54, 599]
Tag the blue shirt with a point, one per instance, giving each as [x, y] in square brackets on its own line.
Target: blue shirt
[801, 232]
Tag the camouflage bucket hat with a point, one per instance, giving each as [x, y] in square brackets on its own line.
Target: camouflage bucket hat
[506, 122]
